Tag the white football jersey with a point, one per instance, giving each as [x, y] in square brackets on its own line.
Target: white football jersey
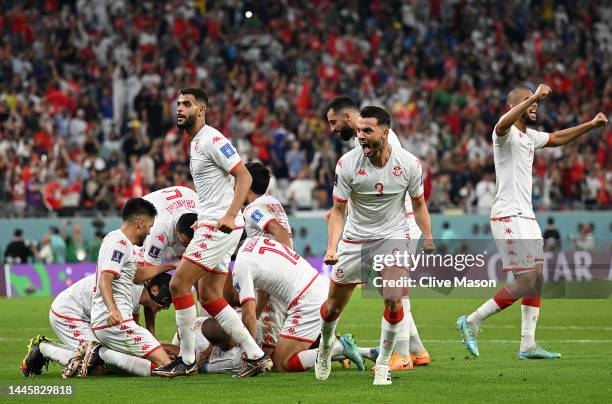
[394, 142]
[377, 209]
[171, 203]
[212, 159]
[263, 263]
[259, 213]
[116, 256]
[76, 300]
[513, 156]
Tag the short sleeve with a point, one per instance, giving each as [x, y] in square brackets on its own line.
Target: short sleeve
[342, 188]
[500, 140]
[540, 139]
[113, 255]
[223, 153]
[258, 216]
[154, 246]
[243, 282]
[415, 181]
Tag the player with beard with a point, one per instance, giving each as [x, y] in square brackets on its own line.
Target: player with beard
[375, 177]
[222, 183]
[517, 234]
[342, 114]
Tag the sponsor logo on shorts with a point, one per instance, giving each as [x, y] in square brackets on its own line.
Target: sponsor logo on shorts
[154, 252]
[256, 216]
[228, 150]
[117, 256]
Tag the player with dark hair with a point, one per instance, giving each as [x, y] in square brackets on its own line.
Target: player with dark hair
[222, 183]
[375, 177]
[516, 232]
[176, 207]
[342, 115]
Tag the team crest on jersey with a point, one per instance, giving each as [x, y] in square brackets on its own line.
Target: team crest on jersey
[154, 252]
[257, 215]
[117, 256]
[196, 145]
[397, 171]
[228, 150]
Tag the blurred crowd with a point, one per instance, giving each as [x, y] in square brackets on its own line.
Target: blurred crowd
[87, 93]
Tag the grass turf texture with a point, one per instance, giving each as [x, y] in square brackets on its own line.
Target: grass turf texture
[580, 329]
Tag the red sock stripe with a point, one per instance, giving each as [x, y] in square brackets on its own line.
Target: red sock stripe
[503, 298]
[294, 364]
[213, 308]
[183, 302]
[324, 314]
[532, 301]
[394, 317]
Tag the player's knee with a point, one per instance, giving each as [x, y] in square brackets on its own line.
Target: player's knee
[393, 303]
[176, 286]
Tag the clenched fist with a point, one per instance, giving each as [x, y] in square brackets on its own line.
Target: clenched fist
[542, 92]
[330, 258]
[600, 120]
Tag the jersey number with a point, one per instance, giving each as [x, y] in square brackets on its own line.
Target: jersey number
[293, 257]
[380, 188]
[175, 194]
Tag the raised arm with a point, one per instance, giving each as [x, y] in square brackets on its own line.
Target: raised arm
[509, 118]
[564, 136]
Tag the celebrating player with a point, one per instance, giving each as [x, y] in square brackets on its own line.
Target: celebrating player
[70, 319]
[375, 177]
[176, 208]
[222, 182]
[342, 115]
[517, 234]
[263, 263]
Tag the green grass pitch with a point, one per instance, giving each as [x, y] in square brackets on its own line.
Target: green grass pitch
[580, 329]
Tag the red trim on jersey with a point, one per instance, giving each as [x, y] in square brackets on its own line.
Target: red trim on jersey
[345, 283]
[101, 327]
[183, 302]
[204, 266]
[67, 318]
[408, 214]
[294, 301]
[417, 197]
[546, 144]
[117, 274]
[360, 241]
[517, 269]
[539, 260]
[246, 300]
[296, 338]
[234, 167]
[340, 199]
[238, 227]
[501, 218]
[215, 307]
[265, 225]
[151, 351]
[142, 263]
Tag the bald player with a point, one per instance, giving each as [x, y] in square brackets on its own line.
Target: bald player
[517, 234]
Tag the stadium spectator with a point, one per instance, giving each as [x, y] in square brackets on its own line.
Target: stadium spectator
[551, 236]
[17, 251]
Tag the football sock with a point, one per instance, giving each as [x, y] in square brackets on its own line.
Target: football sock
[416, 345]
[402, 344]
[368, 353]
[56, 353]
[390, 326]
[185, 317]
[131, 364]
[231, 323]
[530, 312]
[328, 328]
[500, 300]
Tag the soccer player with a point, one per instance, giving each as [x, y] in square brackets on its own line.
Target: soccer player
[265, 216]
[176, 207]
[375, 177]
[266, 264]
[222, 182]
[517, 234]
[342, 116]
[69, 317]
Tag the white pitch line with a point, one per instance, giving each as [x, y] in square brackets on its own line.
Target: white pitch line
[541, 327]
[507, 341]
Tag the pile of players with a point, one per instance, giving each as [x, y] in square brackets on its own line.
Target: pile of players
[273, 310]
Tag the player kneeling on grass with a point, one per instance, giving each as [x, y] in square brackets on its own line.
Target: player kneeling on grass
[69, 317]
[111, 320]
[266, 264]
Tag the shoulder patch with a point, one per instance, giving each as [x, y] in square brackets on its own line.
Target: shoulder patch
[154, 252]
[256, 215]
[117, 256]
[228, 150]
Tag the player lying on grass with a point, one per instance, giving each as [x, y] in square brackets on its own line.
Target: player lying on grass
[342, 116]
[69, 317]
[266, 264]
[517, 234]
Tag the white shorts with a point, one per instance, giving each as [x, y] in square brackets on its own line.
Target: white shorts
[212, 249]
[303, 322]
[271, 321]
[127, 337]
[519, 242]
[71, 330]
[352, 255]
